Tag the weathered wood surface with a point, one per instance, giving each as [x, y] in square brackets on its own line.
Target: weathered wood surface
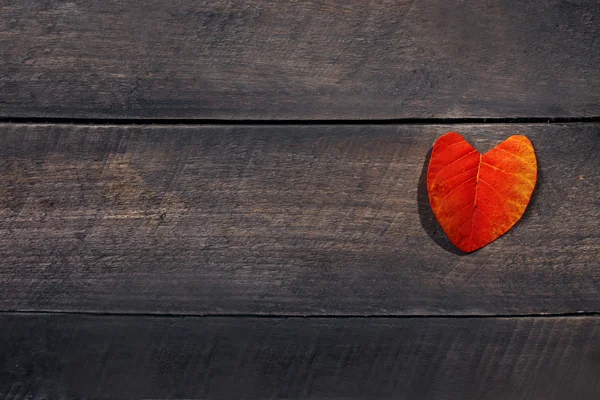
[293, 220]
[62, 356]
[325, 59]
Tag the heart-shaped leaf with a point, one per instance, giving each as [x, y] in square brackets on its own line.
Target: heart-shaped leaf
[479, 197]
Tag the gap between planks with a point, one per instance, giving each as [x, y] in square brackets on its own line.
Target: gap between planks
[305, 316]
[240, 122]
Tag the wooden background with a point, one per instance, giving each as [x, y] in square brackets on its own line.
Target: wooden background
[227, 200]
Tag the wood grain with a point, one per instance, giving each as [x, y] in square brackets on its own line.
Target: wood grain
[294, 220]
[62, 356]
[320, 59]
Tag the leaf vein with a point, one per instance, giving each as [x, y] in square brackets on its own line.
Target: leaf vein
[506, 172]
[453, 162]
[457, 213]
[475, 199]
[512, 154]
[502, 198]
[457, 175]
[450, 192]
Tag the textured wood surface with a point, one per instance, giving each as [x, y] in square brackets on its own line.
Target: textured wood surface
[298, 358]
[326, 220]
[257, 224]
[325, 59]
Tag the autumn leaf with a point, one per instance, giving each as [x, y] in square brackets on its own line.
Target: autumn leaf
[478, 197]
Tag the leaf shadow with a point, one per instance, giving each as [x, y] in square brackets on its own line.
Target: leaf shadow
[428, 220]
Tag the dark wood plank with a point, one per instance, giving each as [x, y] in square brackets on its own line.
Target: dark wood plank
[325, 59]
[53, 356]
[282, 220]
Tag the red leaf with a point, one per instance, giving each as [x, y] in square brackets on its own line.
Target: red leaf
[478, 197]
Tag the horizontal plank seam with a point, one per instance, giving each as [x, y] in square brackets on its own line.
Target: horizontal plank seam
[400, 121]
[301, 316]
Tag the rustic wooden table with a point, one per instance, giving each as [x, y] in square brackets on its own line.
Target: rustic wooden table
[226, 199]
